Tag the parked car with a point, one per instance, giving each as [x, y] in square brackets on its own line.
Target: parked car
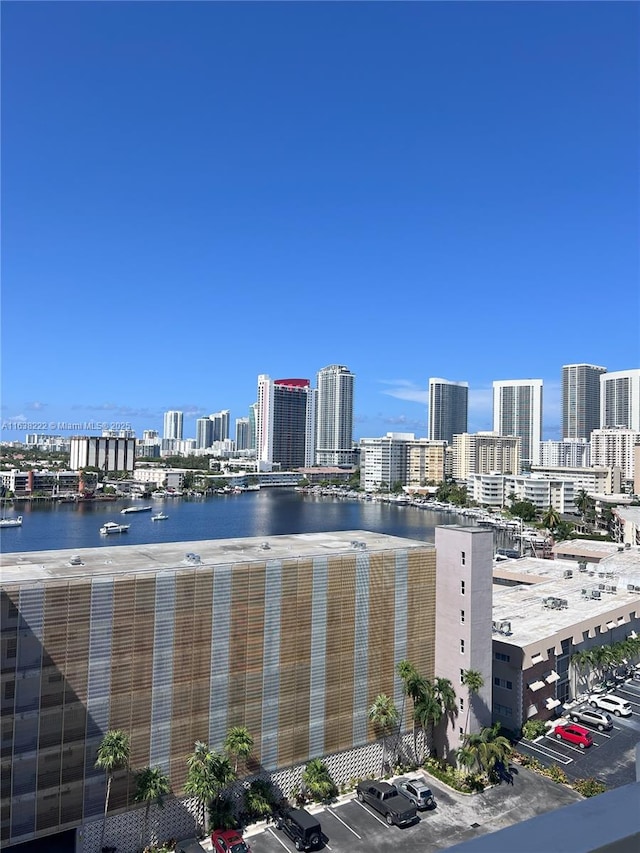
[228, 841]
[384, 798]
[417, 791]
[301, 827]
[635, 676]
[574, 734]
[620, 707]
[591, 717]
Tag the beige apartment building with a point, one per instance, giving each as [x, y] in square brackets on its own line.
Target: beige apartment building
[485, 453]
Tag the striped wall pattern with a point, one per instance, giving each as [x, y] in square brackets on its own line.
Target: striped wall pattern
[296, 650]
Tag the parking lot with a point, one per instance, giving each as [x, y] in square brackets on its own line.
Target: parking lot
[349, 826]
[612, 756]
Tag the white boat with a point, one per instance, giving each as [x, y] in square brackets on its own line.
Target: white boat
[136, 509]
[159, 516]
[112, 527]
[11, 522]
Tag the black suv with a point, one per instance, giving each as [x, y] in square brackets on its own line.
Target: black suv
[301, 827]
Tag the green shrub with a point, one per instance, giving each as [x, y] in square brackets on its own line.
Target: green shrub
[533, 729]
[589, 787]
[556, 773]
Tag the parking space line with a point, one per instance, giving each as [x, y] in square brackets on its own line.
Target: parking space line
[551, 754]
[331, 811]
[570, 746]
[368, 811]
[279, 840]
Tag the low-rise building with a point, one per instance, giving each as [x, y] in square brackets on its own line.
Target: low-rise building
[544, 611]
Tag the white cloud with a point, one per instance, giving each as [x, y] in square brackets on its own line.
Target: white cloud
[405, 389]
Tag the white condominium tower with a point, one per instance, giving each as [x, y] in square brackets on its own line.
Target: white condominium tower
[173, 425]
[580, 400]
[517, 410]
[620, 399]
[448, 406]
[334, 422]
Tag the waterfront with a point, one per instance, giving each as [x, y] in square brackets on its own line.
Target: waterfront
[267, 512]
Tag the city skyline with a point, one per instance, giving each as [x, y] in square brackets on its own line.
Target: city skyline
[196, 194]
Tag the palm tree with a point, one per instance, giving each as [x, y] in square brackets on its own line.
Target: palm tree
[428, 712]
[199, 782]
[238, 744]
[406, 672]
[474, 682]
[383, 714]
[113, 755]
[317, 780]
[581, 661]
[551, 519]
[446, 695]
[152, 786]
[583, 502]
[485, 749]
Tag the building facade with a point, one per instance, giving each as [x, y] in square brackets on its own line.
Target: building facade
[285, 423]
[517, 410]
[615, 448]
[293, 639]
[204, 433]
[383, 461]
[173, 423]
[103, 452]
[580, 400]
[485, 453]
[620, 399]
[242, 433]
[570, 453]
[426, 462]
[448, 409]
[334, 422]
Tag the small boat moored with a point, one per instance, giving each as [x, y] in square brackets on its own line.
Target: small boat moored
[159, 516]
[112, 527]
[136, 509]
[11, 522]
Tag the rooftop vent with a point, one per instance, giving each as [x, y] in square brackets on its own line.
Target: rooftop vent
[595, 593]
[76, 560]
[568, 573]
[192, 558]
[265, 546]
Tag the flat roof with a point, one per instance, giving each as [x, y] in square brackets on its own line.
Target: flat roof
[75, 563]
[533, 619]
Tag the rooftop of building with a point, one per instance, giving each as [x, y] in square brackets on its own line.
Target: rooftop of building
[629, 513]
[70, 564]
[551, 597]
[587, 549]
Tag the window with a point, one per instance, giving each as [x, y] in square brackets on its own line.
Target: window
[461, 731]
[503, 710]
[503, 682]
[461, 647]
[462, 676]
[461, 587]
[9, 689]
[462, 617]
[463, 557]
[12, 647]
[461, 703]
[502, 656]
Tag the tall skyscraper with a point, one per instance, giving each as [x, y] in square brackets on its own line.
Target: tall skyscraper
[448, 405]
[220, 425]
[285, 423]
[204, 433]
[620, 399]
[242, 433]
[173, 425]
[334, 442]
[580, 399]
[517, 410]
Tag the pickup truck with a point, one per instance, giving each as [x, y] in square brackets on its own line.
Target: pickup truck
[384, 798]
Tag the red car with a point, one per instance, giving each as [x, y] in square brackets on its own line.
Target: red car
[228, 841]
[574, 734]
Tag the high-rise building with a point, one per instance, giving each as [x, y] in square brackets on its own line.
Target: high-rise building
[485, 453]
[220, 422]
[106, 453]
[580, 400]
[517, 410]
[620, 399]
[173, 425]
[204, 433]
[448, 405]
[242, 433]
[615, 447]
[334, 441]
[285, 423]
[253, 417]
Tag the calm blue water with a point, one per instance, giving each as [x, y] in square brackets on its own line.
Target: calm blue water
[267, 512]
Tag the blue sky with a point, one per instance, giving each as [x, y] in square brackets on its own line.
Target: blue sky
[197, 193]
